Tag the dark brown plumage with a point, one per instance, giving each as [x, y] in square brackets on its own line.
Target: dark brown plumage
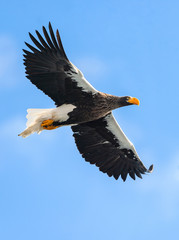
[97, 135]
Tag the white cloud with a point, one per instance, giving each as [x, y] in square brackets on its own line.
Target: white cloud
[12, 127]
[161, 186]
[8, 61]
[132, 130]
[164, 184]
[91, 66]
[28, 148]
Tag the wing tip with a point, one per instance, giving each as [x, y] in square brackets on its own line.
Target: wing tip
[30, 34]
[49, 24]
[151, 168]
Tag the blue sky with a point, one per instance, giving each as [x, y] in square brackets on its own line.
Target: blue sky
[47, 191]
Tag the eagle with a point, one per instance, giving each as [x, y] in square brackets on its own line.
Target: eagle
[88, 111]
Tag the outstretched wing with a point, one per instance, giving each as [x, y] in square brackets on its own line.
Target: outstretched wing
[48, 67]
[103, 143]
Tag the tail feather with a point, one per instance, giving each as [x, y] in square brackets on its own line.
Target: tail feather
[34, 119]
[33, 114]
[30, 130]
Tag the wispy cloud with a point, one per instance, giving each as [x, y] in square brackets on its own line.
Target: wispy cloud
[8, 61]
[164, 184]
[12, 127]
[26, 148]
[91, 66]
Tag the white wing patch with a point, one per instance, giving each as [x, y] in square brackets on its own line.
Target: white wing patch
[113, 127]
[61, 113]
[79, 78]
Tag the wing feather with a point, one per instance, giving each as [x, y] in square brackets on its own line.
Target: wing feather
[34, 50]
[60, 44]
[103, 143]
[48, 38]
[48, 67]
[53, 36]
[36, 42]
[42, 40]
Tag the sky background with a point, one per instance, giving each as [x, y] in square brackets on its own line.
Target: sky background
[47, 191]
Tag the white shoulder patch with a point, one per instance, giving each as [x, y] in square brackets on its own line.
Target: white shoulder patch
[61, 113]
[114, 127]
[81, 81]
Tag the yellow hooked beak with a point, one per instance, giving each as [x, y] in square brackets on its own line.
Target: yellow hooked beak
[133, 100]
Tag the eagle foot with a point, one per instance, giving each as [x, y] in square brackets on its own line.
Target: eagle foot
[48, 124]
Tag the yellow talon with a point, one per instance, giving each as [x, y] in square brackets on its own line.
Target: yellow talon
[47, 124]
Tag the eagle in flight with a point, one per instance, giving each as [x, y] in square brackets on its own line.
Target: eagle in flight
[88, 111]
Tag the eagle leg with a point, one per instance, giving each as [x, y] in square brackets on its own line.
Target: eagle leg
[48, 124]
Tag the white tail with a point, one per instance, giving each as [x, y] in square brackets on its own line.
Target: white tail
[34, 119]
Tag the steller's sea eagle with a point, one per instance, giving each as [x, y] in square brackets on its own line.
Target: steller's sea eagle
[98, 137]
